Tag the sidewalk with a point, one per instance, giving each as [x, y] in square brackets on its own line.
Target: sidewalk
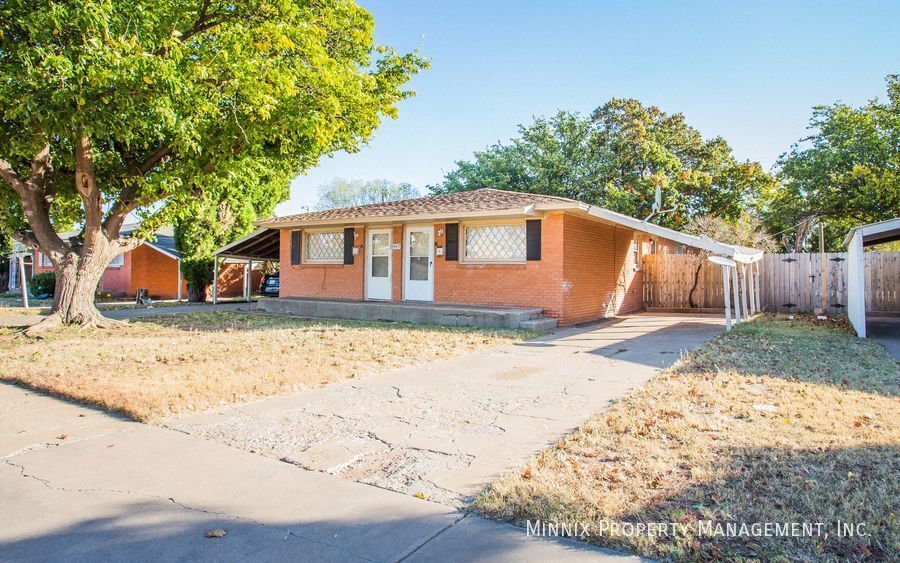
[77, 484]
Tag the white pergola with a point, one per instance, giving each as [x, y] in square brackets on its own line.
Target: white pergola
[740, 264]
[855, 241]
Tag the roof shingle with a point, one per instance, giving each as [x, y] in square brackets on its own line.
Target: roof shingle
[485, 199]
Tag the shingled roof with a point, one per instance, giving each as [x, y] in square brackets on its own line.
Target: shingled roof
[485, 199]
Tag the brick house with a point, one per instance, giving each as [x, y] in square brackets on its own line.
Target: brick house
[154, 265]
[485, 247]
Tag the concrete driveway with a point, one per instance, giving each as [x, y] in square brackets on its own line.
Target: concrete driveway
[78, 484]
[886, 330]
[445, 429]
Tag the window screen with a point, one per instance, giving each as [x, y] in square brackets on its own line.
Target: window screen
[325, 247]
[495, 243]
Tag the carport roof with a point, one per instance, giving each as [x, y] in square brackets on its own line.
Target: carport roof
[875, 233]
[261, 244]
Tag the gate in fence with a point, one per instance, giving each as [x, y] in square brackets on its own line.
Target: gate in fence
[788, 282]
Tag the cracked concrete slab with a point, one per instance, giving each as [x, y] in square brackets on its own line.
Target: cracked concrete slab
[121, 491]
[446, 429]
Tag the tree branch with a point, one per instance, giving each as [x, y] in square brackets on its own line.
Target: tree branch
[11, 176]
[154, 159]
[35, 204]
[86, 186]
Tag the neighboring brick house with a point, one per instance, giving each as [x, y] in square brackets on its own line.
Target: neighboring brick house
[154, 265]
[484, 247]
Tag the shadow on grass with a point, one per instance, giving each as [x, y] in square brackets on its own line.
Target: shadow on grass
[849, 488]
[799, 350]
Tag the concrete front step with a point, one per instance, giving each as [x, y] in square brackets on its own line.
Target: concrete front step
[541, 323]
[418, 313]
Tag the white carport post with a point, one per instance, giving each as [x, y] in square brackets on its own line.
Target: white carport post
[751, 288]
[856, 283]
[248, 271]
[756, 275]
[215, 290]
[22, 280]
[179, 279]
[737, 295]
[725, 274]
[744, 291]
[727, 264]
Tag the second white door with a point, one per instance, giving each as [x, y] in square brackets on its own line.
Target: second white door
[418, 267]
[378, 265]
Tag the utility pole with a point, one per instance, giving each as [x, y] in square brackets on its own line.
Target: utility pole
[824, 266]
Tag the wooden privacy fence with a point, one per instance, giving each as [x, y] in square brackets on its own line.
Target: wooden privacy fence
[792, 282]
[668, 279]
[788, 282]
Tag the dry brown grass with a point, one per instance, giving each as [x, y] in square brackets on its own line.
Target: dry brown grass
[693, 445]
[179, 363]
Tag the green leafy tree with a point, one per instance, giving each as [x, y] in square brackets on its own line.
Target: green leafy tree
[616, 159]
[554, 156]
[349, 193]
[117, 107]
[224, 213]
[846, 173]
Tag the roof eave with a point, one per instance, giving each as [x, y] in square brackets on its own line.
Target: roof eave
[739, 254]
[449, 215]
[872, 229]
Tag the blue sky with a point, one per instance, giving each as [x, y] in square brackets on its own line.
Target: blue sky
[748, 71]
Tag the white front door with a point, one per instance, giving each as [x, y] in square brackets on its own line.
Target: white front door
[418, 267]
[378, 265]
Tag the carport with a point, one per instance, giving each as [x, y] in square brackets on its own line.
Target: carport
[262, 245]
[855, 241]
[740, 264]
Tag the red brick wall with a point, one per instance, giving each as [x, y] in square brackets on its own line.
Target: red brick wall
[536, 283]
[586, 272]
[602, 277]
[156, 272]
[115, 279]
[231, 281]
[333, 281]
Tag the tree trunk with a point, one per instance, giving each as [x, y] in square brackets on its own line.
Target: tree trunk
[694, 287]
[196, 294]
[76, 286]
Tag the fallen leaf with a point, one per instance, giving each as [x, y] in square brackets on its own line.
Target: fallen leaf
[420, 496]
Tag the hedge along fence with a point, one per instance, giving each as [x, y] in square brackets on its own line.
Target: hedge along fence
[788, 282]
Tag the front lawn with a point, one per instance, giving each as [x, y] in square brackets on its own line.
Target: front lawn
[779, 421]
[172, 364]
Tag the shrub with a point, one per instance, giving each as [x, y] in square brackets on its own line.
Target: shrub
[199, 275]
[42, 284]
